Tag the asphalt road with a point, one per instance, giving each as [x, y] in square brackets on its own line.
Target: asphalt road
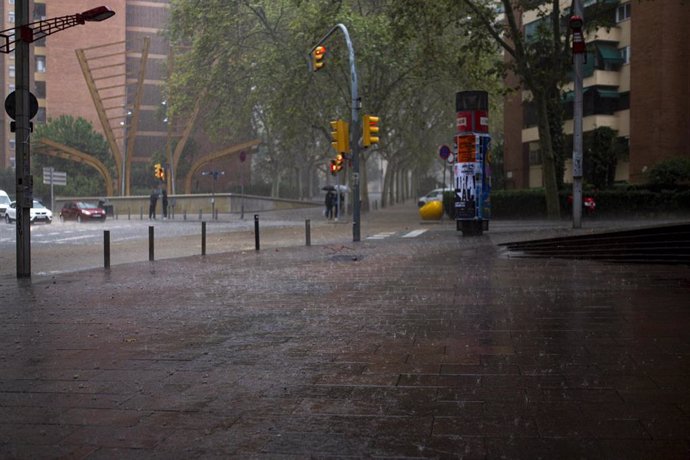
[70, 246]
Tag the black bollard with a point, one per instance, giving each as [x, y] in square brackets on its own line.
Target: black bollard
[256, 231]
[150, 243]
[184, 214]
[307, 229]
[203, 238]
[199, 213]
[141, 213]
[106, 248]
[129, 214]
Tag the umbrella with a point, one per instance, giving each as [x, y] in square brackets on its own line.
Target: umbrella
[328, 188]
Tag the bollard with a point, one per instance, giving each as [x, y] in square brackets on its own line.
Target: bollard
[199, 213]
[150, 243]
[307, 229]
[256, 231]
[203, 238]
[129, 214]
[106, 248]
[184, 214]
[141, 213]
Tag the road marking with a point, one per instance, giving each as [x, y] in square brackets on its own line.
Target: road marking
[380, 236]
[415, 233]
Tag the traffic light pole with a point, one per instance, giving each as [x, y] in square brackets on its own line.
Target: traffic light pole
[355, 128]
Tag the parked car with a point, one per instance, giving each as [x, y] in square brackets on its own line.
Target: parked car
[38, 213]
[81, 211]
[434, 195]
[4, 202]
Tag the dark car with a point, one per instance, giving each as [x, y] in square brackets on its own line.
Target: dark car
[81, 211]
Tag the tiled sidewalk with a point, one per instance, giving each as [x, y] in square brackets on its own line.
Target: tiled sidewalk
[432, 346]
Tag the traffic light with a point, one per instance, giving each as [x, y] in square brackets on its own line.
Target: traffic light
[317, 58]
[340, 136]
[158, 171]
[339, 160]
[371, 130]
[334, 167]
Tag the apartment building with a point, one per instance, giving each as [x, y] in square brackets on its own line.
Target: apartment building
[637, 82]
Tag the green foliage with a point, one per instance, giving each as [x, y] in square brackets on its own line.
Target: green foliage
[529, 204]
[82, 179]
[249, 62]
[600, 157]
[670, 173]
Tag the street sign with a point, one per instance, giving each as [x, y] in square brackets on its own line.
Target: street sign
[11, 105]
[444, 151]
[50, 176]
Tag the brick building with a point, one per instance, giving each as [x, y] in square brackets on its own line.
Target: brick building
[93, 71]
[637, 82]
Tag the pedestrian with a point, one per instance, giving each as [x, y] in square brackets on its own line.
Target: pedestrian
[153, 200]
[164, 203]
[329, 204]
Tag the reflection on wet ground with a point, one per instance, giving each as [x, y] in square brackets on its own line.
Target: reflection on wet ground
[432, 346]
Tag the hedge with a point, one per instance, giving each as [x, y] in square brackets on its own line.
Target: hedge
[531, 204]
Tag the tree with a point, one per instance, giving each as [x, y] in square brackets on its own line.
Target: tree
[538, 56]
[251, 64]
[79, 134]
[600, 157]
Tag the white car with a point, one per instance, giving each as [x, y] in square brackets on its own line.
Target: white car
[434, 195]
[4, 202]
[38, 213]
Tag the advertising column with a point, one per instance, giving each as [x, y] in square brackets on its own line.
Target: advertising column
[472, 169]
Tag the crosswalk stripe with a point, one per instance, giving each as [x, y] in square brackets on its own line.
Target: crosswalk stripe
[415, 233]
[380, 236]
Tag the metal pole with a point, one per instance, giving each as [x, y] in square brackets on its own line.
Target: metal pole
[203, 238]
[577, 129]
[256, 232]
[106, 248]
[307, 232]
[52, 190]
[150, 242]
[24, 181]
[355, 128]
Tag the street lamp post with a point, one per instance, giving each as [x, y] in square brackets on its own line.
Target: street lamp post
[215, 175]
[18, 39]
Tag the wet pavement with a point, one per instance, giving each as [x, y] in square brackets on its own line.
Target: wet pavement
[399, 346]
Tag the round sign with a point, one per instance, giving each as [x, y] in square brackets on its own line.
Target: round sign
[243, 156]
[11, 105]
[444, 151]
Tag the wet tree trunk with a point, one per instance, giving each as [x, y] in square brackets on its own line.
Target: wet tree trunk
[548, 160]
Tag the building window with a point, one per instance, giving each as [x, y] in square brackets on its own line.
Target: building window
[623, 12]
[40, 89]
[13, 143]
[11, 70]
[10, 17]
[625, 54]
[11, 87]
[40, 64]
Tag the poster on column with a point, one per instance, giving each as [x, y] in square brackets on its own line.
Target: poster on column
[466, 190]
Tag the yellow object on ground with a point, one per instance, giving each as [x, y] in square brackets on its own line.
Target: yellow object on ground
[433, 210]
